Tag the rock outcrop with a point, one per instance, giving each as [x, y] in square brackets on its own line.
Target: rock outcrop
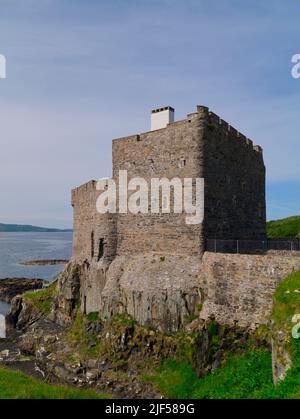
[10, 287]
[162, 291]
[114, 356]
[68, 292]
[22, 314]
[169, 292]
[165, 290]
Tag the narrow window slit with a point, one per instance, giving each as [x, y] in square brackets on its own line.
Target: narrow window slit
[92, 244]
[101, 249]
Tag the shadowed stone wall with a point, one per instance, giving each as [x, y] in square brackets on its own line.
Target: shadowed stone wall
[234, 172]
[239, 288]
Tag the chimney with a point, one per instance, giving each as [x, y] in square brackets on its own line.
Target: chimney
[161, 117]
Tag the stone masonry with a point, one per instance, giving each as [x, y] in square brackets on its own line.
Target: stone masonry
[201, 146]
[154, 266]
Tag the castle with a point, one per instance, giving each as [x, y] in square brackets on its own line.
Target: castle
[149, 264]
[201, 146]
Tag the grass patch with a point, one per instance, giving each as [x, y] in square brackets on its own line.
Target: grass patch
[16, 385]
[287, 228]
[287, 302]
[121, 321]
[42, 299]
[93, 317]
[286, 305]
[87, 344]
[243, 376]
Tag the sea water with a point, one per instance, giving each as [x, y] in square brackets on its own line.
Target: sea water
[21, 247]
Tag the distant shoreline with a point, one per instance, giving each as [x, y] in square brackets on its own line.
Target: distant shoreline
[23, 228]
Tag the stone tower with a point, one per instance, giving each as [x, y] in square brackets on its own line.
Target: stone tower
[124, 252]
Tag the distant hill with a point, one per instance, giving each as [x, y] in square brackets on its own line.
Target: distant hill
[287, 228]
[17, 228]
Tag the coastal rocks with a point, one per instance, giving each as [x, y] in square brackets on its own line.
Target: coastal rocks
[63, 359]
[53, 360]
[44, 262]
[68, 296]
[8, 357]
[39, 338]
[125, 351]
[113, 355]
[22, 314]
[11, 287]
[4, 354]
[11, 355]
[15, 310]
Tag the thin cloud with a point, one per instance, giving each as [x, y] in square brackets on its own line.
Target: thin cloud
[80, 75]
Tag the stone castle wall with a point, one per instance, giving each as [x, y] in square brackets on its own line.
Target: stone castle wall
[84, 218]
[166, 290]
[151, 265]
[95, 235]
[200, 146]
[234, 172]
[239, 288]
[175, 151]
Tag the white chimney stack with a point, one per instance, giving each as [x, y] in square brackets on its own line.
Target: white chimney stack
[160, 118]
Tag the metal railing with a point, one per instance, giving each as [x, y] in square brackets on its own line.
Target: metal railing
[252, 246]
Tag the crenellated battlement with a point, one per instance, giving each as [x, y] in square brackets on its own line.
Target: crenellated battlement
[233, 133]
[214, 122]
[83, 191]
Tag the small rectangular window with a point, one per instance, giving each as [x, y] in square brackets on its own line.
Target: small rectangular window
[182, 163]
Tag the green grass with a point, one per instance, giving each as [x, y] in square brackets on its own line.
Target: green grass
[121, 321]
[286, 305]
[243, 376]
[42, 299]
[87, 344]
[287, 302]
[287, 228]
[16, 385]
[93, 317]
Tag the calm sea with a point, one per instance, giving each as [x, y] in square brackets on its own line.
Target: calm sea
[20, 247]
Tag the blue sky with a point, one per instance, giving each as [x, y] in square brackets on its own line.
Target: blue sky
[80, 73]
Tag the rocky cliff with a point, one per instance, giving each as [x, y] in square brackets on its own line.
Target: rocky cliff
[165, 290]
[158, 299]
